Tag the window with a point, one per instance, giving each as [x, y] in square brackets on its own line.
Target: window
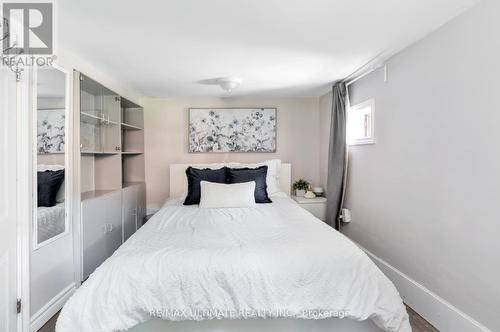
[360, 123]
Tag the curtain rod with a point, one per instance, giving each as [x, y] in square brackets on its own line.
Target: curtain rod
[371, 70]
[354, 76]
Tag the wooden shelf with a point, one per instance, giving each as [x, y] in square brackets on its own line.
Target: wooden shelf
[94, 119]
[90, 118]
[132, 152]
[100, 152]
[128, 184]
[126, 126]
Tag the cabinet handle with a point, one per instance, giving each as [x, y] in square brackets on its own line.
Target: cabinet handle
[107, 228]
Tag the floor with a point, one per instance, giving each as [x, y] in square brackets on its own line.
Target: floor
[418, 324]
[50, 326]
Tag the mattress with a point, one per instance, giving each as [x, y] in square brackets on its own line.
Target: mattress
[50, 221]
[270, 261]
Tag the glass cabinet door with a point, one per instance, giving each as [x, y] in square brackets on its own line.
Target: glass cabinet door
[111, 106]
[100, 116]
[111, 128]
[91, 115]
[111, 137]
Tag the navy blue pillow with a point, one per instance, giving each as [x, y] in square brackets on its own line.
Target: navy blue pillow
[196, 175]
[48, 184]
[239, 175]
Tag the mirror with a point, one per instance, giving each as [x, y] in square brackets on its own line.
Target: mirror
[51, 203]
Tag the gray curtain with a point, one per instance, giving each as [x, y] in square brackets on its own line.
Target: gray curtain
[337, 156]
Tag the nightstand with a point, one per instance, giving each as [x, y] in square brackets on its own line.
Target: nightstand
[317, 206]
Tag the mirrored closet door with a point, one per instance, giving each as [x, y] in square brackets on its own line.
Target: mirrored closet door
[52, 270]
[50, 160]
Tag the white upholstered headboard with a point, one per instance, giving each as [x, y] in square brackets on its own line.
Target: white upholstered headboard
[178, 180]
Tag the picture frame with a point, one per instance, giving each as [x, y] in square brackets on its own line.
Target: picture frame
[232, 130]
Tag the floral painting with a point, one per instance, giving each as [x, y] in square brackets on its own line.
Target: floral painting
[50, 131]
[232, 129]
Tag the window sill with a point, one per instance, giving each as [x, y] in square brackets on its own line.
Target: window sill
[363, 142]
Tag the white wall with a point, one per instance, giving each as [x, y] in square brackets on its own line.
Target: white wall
[166, 123]
[425, 197]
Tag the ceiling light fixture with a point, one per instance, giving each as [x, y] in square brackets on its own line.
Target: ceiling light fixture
[229, 83]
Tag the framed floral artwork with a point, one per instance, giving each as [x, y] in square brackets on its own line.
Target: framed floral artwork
[232, 129]
[50, 131]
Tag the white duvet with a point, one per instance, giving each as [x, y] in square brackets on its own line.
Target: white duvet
[272, 260]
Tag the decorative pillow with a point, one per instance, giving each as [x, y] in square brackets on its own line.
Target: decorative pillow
[258, 175]
[273, 174]
[195, 175]
[203, 166]
[49, 183]
[61, 193]
[218, 195]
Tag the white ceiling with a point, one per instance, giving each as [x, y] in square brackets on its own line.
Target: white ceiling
[277, 47]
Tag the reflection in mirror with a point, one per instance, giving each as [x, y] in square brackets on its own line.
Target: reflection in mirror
[50, 141]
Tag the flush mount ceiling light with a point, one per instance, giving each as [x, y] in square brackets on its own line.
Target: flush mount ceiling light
[228, 83]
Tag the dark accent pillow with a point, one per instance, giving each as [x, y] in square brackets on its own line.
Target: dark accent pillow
[48, 183]
[239, 175]
[195, 175]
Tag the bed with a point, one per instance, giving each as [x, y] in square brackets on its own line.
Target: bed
[266, 268]
[51, 221]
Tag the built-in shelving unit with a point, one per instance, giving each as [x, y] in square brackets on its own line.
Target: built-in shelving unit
[132, 116]
[111, 170]
[111, 138]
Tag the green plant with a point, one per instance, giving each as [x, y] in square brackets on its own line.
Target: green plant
[300, 184]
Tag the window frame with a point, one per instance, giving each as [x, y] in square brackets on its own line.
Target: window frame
[363, 141]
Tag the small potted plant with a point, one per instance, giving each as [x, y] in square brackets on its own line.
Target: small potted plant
[300, 187]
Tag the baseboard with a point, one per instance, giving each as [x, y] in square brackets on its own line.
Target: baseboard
[436, 310]
[51, 308]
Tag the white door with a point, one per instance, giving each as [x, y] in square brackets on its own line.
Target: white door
[141, 205]
[101, 220]
[129, 212]
[8, 203]
[52, 278]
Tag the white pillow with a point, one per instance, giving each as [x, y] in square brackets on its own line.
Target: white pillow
[221, 195]
[61, 192]
[273, 174]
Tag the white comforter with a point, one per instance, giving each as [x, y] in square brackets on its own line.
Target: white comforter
[273, 260]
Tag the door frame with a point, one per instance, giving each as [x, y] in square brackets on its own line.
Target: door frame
[24, 105]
